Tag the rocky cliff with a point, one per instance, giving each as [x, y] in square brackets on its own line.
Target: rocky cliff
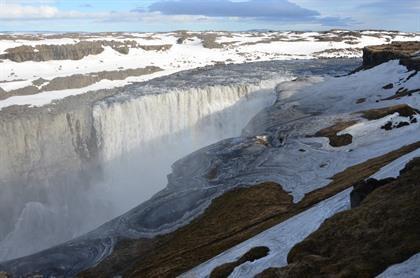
[407, 52]
[73, 51]
[315, 142]
[77, 81]
[128, 118]
[52, 156]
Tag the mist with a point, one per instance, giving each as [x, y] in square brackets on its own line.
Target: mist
[70, 205]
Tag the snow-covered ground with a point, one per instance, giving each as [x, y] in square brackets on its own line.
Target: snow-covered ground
[393, 169]
[408, 269]
[300, 173]
[279, 239]
[234, 48]
[291, 157]
[335, 99]
[47, 97]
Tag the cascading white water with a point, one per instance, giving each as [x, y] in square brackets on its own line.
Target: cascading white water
[122, 126]
[141, 137]
[138, 139]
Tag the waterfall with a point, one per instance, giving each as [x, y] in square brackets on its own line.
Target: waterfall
[123, 126]
[139, 138]
[79, 167]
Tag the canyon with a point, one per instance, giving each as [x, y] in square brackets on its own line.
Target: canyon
[89, 167]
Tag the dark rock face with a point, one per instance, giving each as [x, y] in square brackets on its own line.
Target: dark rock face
[402, 124]
[390, 125]
[361, 100]
[226, 269]
[382, 231]
[378, 54]
[388, 86]
[78, 81]
[53, 52]
[387, 126]
[363, 189]
[412, 63]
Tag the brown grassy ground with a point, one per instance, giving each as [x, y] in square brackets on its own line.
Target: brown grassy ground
[403, 109]
[378, 54]
[230, 219]
[364, 241]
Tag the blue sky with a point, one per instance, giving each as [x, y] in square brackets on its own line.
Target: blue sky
[166, 15]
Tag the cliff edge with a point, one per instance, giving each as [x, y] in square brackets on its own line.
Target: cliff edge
[407, 52]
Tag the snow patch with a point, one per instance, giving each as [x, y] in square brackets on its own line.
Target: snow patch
[392, 170]
[279, 239]
[408, 269]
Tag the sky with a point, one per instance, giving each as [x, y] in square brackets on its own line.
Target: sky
[230, 15]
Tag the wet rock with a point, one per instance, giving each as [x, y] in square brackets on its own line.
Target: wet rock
[388, 86]
[387, 126]
[361, 100]
[402, 124]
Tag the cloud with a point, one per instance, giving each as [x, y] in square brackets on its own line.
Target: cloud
[31, 2]
[392, 7]
[264, 10]
[280, 10]
[87, 5]
[23, 12]
[194, 13]
[333, 21]
[153, 17]
[17, 11]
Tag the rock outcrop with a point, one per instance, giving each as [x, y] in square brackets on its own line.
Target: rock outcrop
[73, 51]
[52, 52]
[77, 81]
[407, 52]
